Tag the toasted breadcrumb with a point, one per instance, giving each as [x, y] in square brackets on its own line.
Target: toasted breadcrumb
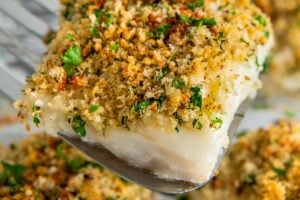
[261, 165]
[141, 59]
[55, 170]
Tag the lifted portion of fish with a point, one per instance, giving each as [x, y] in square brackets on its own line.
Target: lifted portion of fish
[157, 86]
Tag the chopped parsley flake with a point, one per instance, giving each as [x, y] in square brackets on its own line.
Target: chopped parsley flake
[217, 123]
[95, 33]
[178, 83]
[70, 37]
[197, 124]
[290, 114]
[93, 108]
[261, 106]
[250, 179]
[267, 34]
[160, 101]
[244, 41]
[184, 19]
[257, 61]
[261, 20]
[162, 29]
[196, 98]
[12, 175]
[114, 47]
[110, 20]
[153, 5]
[165, 71]
[72, 58]
[196, 4]
[149, 34]
[78, 125]
[104, 15]
[35, 113]
[241, 134]
[142, 106]
[279, 171]
[266, 64]
[76, 163]
[209, 22]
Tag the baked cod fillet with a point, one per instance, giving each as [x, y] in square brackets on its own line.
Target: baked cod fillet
[157, 83]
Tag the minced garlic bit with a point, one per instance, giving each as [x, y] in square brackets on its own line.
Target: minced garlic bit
[136, 59]
[260, 165]
[44, 167]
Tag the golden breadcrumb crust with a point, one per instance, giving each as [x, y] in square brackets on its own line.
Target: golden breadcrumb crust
[147, 59]
[55, 170]
[261, 165]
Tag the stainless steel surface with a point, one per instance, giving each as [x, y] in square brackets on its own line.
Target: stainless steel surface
[24, 17]
[9, 85]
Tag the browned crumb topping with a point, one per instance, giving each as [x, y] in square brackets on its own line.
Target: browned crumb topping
[119, 61]
[261, 165]
[43, 167]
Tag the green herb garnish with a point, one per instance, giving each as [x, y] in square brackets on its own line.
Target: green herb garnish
[109, 20]
[101, 14]
[266, 64]
[114, 47]
[241, 133]
[261, 20]
[12, 175]
[279, 171]
[178, 83]
[290, 113]
[244, 41]
[196, 98]
[77, 162]
[142, 106]
[257, 61]
[217, 123]
[249, 179]
[70, 37]
[149, 34]
[93, 108]
[209, 22]
[267, 34]
[35, 113]
[196, 4]
[72, 58]
[95, 33]
[184, 19]
[153, 5]
[261, 106]
[164, 72]
[78, 125]
[160, 101]
[197, 124]
[162, 29]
